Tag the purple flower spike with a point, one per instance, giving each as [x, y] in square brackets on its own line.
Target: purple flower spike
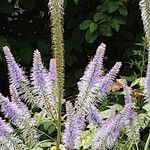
[103, 87]
[16, 74]
[38, 72]
[107, 134]
[14, 111]
[93, 70]
[93, 115]
[5, 129]
[41, 81]
[106, 83]
[73, 128]
[129, 116]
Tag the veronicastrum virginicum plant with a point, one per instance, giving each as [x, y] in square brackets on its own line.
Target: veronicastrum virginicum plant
[44, 92]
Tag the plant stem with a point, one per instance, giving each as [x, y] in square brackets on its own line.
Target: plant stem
[147, 143]
[56, 11]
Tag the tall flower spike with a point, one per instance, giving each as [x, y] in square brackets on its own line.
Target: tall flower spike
[102, 87]
[16, 74]
[129, 116]
[93, 70]
[91, 75]
[145, 13]
[107, 134]
[19, 116]
[73, 128]
[7, 138]
[42, 85]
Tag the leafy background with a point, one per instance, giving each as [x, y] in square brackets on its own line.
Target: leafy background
[24, 26]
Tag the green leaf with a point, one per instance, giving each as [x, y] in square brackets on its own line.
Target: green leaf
[130, 79]
[47, 125]
[93, 27]
[97, 16]
[115, 25]
[45, 144]
[106, 30]
[51, 129]
[123, 11]
[85, 24]
[113, 6]
[143, 121]
[91, 37]
[119, 19]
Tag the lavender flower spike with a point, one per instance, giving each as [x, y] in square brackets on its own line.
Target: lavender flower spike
[107, 134]
[12, 111]
[40, 80]
[16, 74]
[129, 116]
[73, 128]
[7, 138]
[93, 70]
[5, 129]
[103, 86]
[93, 115]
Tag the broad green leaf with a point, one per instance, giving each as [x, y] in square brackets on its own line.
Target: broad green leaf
[51, 129]
[85, 24]
[98, 16]
[93, 27]
[123, 11]
[105, 113]
[45, 144]
[113, 6]
[106, 30]
[115, 25]
[91, 37]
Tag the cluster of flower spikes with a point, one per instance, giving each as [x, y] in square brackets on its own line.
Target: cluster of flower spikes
[93, 88]
[38, 92]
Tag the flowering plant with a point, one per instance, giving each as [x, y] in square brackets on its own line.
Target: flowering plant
[41, 98]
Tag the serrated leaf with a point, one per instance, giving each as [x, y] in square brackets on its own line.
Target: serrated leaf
[93, 27]
[91, 37]
[85, 24]
[123, 11]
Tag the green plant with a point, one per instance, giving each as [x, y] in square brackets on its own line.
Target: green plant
[108, 18]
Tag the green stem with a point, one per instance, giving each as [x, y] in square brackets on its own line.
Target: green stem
[56, 13]
[147, 143]
[130, 145]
